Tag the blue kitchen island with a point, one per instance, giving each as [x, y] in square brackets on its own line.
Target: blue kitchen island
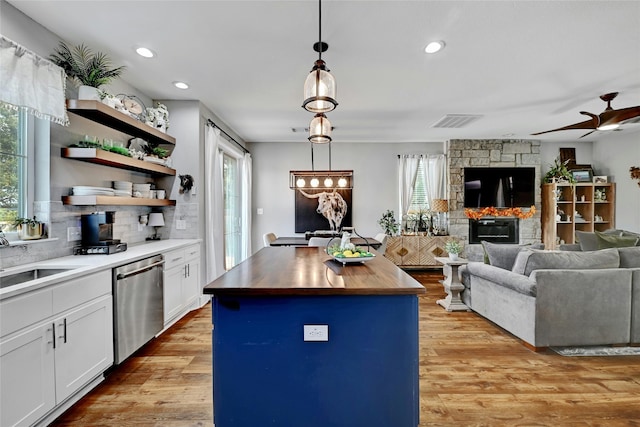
[301, 340]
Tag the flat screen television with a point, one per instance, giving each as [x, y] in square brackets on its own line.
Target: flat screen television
[499, 187]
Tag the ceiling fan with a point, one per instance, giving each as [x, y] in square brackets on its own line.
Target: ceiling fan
[607, 120]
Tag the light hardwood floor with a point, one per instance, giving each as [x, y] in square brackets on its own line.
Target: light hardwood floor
[472, 373]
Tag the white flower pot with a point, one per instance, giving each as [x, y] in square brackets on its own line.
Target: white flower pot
[88, 92]
[453, 257]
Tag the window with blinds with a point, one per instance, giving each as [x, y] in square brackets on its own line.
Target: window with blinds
[419, 198]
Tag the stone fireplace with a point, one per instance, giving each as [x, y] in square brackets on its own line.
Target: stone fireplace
[490, 153]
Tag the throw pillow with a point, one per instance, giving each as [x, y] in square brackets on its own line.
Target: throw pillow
[629, 257]
[587, 240]
[629, 233]
[503, 255]
[609, 241]
[529, 260]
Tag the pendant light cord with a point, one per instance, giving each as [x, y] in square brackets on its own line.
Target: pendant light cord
[320, 29]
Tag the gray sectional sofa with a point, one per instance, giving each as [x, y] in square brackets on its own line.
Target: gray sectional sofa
[558, 298]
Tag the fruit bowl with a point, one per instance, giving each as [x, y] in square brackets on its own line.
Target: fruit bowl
[353, 260]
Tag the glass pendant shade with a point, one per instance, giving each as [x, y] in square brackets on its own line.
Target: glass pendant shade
[320, 130]
[319, 90]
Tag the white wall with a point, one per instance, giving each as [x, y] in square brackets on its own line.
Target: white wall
[549, 151]
[613, 157]
[375, 181]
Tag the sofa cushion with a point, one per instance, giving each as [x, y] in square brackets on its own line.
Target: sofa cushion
[529, 260]
[504, 255]
[629, 257]
[609, 241]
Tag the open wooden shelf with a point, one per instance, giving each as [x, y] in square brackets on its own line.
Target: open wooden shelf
[103, 114]
[107, 158]
[112, 200]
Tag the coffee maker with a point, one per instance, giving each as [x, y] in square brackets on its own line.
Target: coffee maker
[97, 235]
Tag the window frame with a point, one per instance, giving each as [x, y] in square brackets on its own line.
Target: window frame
[25, 151]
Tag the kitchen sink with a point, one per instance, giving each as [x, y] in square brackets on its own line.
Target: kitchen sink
[29, 275]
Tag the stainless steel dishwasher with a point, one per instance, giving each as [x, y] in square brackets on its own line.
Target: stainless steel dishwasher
[138, 304]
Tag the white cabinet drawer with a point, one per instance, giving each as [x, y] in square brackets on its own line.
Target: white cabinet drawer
[79, 291]
[24, 310]
[192, 252]
[173, 259]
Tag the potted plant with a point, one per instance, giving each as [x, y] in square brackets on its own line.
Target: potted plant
[90, 69]
[388, 223]
[29, 228]
[559, 172]
[453, 248]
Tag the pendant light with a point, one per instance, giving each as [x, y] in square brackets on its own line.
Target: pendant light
[320, 129]
[320, 86]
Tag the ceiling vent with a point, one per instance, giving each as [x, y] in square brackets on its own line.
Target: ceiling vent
[456, 121]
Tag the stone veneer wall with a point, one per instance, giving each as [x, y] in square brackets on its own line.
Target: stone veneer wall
[489, 153]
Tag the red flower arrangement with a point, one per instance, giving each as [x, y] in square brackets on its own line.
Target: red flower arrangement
[493, 211]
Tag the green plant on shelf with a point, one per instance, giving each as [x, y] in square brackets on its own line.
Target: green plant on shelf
[85, 66]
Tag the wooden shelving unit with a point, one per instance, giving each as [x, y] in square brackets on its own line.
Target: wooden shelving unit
[567, 200]
[107, 158]
[103, 114]
[112, 200]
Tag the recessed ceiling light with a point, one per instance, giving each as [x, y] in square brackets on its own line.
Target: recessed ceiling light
[181, 85]
[434, 47]
[147, 53]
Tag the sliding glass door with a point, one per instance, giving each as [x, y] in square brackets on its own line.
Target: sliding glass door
[232, 213]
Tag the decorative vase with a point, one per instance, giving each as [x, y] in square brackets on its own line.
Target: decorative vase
[88, 92]
[453, 257]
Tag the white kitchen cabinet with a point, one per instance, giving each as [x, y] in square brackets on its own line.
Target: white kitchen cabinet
[27, 389]
[84, 345]
[191, 287]
[182, 285]
[45, 362]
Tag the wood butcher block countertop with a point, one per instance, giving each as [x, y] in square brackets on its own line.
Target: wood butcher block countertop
[311, 271]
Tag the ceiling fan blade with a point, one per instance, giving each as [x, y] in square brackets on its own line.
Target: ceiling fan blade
[588, 133]
[618, 116]
[587, 124]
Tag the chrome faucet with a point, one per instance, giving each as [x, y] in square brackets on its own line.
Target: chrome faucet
[3, 240]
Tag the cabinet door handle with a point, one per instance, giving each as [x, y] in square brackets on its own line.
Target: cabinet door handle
[64, 330]
[53, 335]
[188, 270]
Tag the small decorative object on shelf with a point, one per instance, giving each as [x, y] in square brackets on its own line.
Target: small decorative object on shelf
[600, 195]
[453, 248]
[493, 211]
[158, 117]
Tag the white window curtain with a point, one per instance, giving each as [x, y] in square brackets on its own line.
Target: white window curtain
[407, 172]
[215, 144]
[214, 218]
[246, 165]
[32, 83]
[435, 176]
